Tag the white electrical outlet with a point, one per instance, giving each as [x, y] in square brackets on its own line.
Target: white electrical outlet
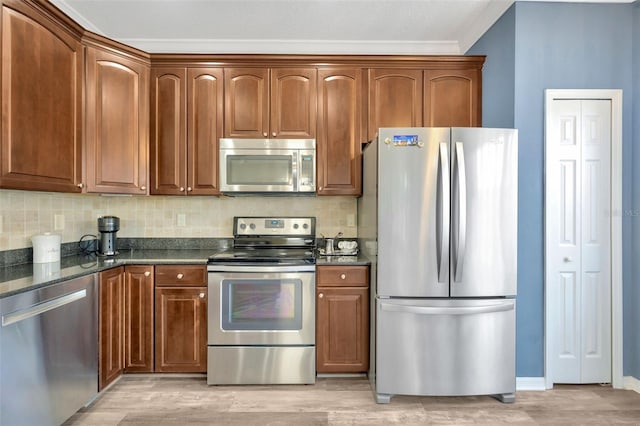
[351, 219]
[1, 223]
[182, 219]
[58, 222]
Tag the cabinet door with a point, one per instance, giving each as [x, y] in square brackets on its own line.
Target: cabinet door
[293, 103]
[246, 113]
[111, 320]
[138, 319]
[168, 147]
[181, 329]
[339, 139]
[452, 98]
[205, 94]
[117, 122]
[395, 99]
[342, 330]
[41, 103]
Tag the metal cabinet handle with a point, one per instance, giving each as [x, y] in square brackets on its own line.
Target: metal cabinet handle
[343, 276]
[567, 259]
[143, 188]
[180, 276]
[147, 274]
[202, 295]
[182, 189]
[320, 296]
[43, 307]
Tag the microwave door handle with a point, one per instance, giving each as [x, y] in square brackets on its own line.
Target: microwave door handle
[294, 169]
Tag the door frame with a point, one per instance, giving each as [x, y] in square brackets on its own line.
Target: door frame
[615, 96]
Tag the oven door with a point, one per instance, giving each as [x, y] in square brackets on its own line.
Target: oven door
[261, 305]
[258, 170]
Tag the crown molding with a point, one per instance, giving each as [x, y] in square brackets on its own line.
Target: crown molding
[324, 47]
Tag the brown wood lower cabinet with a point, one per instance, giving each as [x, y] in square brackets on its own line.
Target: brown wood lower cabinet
[111, 320]
[342, 319]
[181, 319]
[138, 319]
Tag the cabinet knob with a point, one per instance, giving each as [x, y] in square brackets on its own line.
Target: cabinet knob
[264, 134]
[201, 295]
[143, 188]
[273, 134]
[567, 259]
[80, 185]
[320, 296]
[180, 276]
[189, 189]
[343, 276]
[147, 274]
[182, 189]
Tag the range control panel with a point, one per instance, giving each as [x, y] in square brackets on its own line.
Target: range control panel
[283, 226]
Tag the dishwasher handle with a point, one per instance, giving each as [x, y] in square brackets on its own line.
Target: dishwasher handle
[40, 308]
[453, 310]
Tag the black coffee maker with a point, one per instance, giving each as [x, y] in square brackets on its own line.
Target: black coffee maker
[108, 227]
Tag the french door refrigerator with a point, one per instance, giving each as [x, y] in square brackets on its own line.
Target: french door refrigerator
[438, 218]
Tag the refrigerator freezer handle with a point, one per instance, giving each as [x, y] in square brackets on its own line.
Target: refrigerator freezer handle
[444, 310]
[462, 212]
[443, 219]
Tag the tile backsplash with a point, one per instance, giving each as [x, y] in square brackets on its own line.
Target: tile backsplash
[27, 213]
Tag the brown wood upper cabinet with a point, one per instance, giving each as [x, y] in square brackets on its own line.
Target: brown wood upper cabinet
[339, 131]
[117, 123]
[41, 132]
[186, 123]
[452, 98]
[395, 99]
[270, 103]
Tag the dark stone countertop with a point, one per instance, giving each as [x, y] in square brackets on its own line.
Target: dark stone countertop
[20, 278]
[30, 276]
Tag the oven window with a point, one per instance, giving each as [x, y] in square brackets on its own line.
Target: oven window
[259, 169]
[262, 304]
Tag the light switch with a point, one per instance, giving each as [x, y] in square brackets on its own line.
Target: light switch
[58, 222]
[182, 219]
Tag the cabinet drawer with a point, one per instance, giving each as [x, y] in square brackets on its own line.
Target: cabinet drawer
[352, 276]
[181, 275]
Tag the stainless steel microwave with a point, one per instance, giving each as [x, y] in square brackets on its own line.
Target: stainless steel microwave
[268, 165]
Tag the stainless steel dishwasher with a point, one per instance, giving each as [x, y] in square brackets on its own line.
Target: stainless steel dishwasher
[48, 352]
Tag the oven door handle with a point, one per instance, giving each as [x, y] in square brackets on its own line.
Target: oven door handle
[257, 268]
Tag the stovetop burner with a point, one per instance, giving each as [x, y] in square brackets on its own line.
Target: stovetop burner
[286, 240]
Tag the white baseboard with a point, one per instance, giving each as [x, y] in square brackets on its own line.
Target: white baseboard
[631, 383]
[530, 384]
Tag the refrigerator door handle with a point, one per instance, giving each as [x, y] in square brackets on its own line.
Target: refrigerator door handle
[457, 310]
[462, 212]
[442, 217]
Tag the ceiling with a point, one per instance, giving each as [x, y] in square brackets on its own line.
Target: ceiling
[402, 27]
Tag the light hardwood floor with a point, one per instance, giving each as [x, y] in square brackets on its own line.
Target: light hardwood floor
[167, 400]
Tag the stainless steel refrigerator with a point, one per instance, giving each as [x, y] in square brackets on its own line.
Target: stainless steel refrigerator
[438, 218]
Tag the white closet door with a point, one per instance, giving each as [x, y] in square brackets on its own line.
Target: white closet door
[578, 239]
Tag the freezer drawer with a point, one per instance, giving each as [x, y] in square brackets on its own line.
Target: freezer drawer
[445, 347]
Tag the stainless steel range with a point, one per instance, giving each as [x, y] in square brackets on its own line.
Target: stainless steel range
[262, 304]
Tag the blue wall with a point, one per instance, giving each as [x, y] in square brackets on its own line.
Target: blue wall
[632, 328]
[556, 46]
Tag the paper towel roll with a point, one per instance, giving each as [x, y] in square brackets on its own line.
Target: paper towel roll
[46, 247]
